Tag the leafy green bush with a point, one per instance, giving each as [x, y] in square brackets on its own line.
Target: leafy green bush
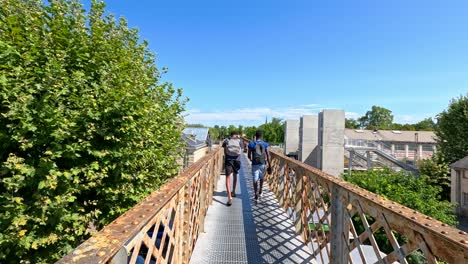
[452, 130]
[438, 172]
[420, 194]
[417, 193]
[86, 128]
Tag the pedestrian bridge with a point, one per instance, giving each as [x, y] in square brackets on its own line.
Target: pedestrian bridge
[305, 216]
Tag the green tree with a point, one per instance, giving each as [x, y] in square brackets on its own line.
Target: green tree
[407, 127]
[87, 129]
[438, 173]
[425, 125]
[377, 118]
[240, 129]
[231, 128]
[250, 131]
[417, 193]
[351, 123]
[452, 130]
[214, 133]
[223, 132]
[273, 131]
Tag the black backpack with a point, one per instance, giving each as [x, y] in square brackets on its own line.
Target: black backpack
[259, 154]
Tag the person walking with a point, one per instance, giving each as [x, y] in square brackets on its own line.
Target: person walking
[258, 153]
[233, 147]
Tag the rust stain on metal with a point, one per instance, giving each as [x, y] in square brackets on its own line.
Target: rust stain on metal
[104, 245]
[434, 238]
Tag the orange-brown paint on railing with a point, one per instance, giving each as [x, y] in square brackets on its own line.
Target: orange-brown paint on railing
[129, 231]
[437, 241]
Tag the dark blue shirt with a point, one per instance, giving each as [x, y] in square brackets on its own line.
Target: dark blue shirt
[252, 146]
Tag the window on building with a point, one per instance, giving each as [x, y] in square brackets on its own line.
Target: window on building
[412, 147]
[399, 147]
[427, 147]
[465, 199]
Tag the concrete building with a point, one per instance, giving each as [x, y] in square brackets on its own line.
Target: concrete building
[331, 141]
[403, 145]
[291, 138]
[308, 140]
[321, 140]
[459, 186]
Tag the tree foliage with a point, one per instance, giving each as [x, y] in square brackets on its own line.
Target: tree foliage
[452, 130]
[427, 124]
[250, 131]
[377, 118]
[421, 194]
[382, 118]
[273, 132]
[438, 172]
[87, 130]
[416, 193]
[423, 125]
[351, 123]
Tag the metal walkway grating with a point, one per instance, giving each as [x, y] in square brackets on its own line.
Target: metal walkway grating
[245, 232]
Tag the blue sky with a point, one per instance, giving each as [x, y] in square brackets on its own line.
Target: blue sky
[239, 61]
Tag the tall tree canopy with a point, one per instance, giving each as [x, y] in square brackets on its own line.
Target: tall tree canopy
[273, 132]
[425, 125]
[452, 130]
[87, 130]
[351, 123]
[377, 117]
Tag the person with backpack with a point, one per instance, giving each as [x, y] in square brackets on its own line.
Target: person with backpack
[259, 154]
[233, 147]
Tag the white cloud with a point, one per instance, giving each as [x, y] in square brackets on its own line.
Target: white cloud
[248, 116]
[257, 115]
[352, 115]
[411, 119]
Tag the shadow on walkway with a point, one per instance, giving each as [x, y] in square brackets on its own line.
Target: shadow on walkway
[245, 232]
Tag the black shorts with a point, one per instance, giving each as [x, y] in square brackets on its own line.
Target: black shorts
[232, 166]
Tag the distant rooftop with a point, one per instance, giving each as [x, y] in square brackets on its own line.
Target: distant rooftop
[195, 137]
[460, 164]
[391, 135]
[200, 133]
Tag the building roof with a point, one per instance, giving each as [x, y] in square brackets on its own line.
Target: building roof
[391, 135]
[460, 164]
[200, 133]
[195, 137]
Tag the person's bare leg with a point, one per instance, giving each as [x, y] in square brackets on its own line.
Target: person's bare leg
[228, 186]
[234, 182]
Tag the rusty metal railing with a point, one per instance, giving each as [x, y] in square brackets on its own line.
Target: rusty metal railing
[164, 227]
[343, 223]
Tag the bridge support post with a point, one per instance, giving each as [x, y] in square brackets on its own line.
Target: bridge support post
[369, 161]
[339, 226]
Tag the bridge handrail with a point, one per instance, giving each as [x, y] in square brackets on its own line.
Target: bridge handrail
[178, 209]
[307, 192]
